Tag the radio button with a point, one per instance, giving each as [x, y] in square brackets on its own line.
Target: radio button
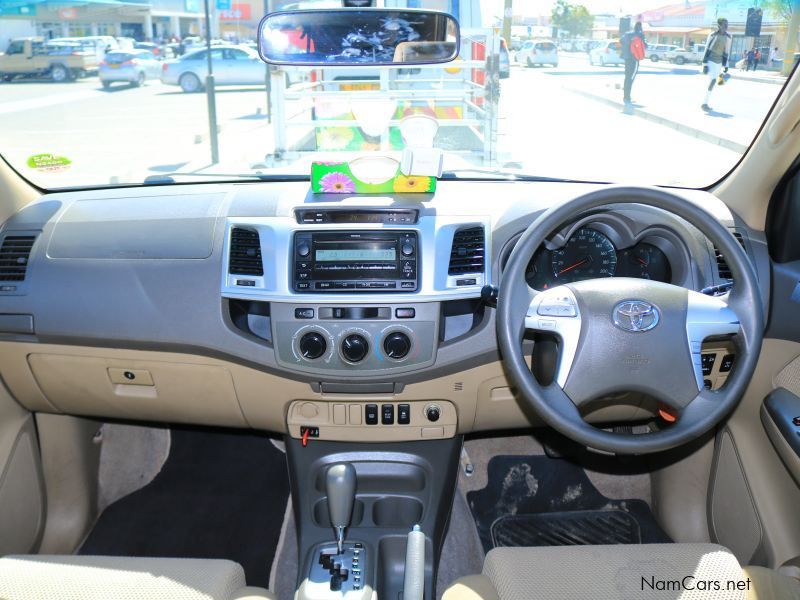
[407, 285]
[302, 285]
[324, 285]
[407, 249]
[303, 249]
[344, 285]
[304, 265]
[303, 274]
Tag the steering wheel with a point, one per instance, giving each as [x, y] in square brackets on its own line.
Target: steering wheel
[623, 334]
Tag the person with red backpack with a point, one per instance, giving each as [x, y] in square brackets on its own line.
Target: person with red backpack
[633, 50]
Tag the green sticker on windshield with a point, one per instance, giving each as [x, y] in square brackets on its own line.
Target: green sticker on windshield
[49, 163]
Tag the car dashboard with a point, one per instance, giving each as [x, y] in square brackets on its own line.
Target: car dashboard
[338, 317]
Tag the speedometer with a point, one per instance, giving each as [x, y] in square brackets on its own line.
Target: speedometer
[588, 254]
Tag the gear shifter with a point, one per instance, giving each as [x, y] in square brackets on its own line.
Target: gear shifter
[340, 486]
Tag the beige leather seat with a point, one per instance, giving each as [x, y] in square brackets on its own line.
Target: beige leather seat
[649, 571]
[123, 578]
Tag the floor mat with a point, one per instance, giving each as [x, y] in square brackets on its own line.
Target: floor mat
[220, 494]
[541, 501]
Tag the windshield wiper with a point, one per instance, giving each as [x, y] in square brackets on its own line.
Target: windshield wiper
[170, 177]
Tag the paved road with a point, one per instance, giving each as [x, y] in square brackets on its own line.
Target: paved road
[548, 126]
[120, 135]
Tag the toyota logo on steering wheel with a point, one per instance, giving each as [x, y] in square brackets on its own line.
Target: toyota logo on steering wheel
[636, 316]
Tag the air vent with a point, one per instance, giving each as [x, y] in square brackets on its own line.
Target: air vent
[14, 254]
[245, 257]
[467, 255]
[722, 266]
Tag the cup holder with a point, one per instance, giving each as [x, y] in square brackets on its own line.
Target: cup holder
[396, 511]
[323, 519]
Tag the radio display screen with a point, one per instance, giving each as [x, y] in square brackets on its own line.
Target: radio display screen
[356, 254]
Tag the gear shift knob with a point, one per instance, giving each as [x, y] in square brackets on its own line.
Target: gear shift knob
[340, 486]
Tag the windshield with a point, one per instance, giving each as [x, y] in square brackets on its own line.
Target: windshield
[620, 91]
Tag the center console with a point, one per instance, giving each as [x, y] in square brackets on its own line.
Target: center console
[397, 486]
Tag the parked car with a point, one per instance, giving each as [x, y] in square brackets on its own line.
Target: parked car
[538, 52]
[607, 53]
[32, 57]
[134, 67]
[151, 47]
[681, 56]
[233, 65]
[657, 52]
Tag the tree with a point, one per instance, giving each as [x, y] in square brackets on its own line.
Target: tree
[575, 19]
[780, 8]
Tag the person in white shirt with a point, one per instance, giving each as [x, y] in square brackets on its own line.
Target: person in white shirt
[715, 60]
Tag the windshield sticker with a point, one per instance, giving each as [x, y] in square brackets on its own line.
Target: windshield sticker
[48, 163]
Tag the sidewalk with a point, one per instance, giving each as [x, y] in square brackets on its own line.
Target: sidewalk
[760, 76]
[675, 102]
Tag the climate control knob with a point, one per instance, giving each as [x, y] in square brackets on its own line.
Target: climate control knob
[396, 345]
[433, 412]
[313, 345]
[354, 347]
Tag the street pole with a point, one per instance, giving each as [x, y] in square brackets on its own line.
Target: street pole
[212, 103]
[267, 76]
[791, 39]
[508, 14]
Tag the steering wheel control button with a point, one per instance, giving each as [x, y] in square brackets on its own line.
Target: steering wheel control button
[727, 363]
[303, 313]
[371, 414]
[547, 324]
[387, 414]
[558, 306]
[432, 413]
[403, 414]
[397, 345]
[707, 363]
[312, 345]
[355, 348]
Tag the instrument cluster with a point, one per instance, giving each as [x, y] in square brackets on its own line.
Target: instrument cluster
[589, 253]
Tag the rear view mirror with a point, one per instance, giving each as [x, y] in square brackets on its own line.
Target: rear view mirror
[358, 37]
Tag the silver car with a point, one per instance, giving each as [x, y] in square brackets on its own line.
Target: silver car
[233, 65]
[133, 67]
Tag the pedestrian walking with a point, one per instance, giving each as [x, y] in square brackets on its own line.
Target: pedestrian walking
[756, 59]
[773, 57]
[633, 49]
[751, 57]
[715, 60]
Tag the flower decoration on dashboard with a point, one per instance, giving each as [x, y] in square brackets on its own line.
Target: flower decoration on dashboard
[337, 183]
[411, 183]
[339, 178]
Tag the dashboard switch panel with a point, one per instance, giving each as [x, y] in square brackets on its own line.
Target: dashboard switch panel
[384, 422]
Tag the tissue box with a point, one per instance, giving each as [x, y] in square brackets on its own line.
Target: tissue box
[338, 178]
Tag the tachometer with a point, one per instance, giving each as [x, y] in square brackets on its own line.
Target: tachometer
[588, 254]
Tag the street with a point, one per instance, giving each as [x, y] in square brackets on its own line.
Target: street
[564, 122]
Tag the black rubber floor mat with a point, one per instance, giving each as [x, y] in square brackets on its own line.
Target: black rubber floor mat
[220, 494]
[579, 527]
[541, 501]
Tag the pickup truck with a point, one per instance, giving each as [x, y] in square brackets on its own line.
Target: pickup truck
[681, 56]
[33, 57]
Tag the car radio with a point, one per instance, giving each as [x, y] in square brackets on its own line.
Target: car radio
[355, 261]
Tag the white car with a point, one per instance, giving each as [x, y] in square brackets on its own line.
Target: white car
[233, 65]
[657, 52]
[607, 53]
[535, 53]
